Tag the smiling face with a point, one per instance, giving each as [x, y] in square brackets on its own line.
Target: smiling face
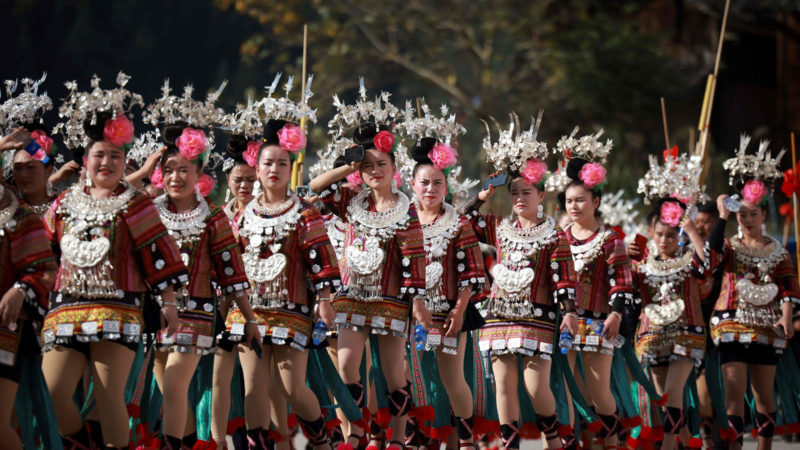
[241, 181]
[665, 238]
[525, 199]
[377, 169]
[30, 175]
[180, 176]
[430, 186]
[105, 164]
[274, 168]
[579, 203]
[750, 218]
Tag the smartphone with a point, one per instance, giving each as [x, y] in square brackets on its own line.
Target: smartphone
[302, 191]
[353, 154]
[641, 242]
[497, 181]
[256, 348]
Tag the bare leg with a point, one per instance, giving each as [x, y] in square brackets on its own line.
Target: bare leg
[279, 410]
[224, 363]
[256, 391]
[734, 376]
[333, 352]
[177, 376]
[63, 368]
[762, 379]
[674, 380]
[536, 373]
[393, 353]
[292, 364]
[704, 405]
[8, 436]
[506, 375]
[351, 350]
[451, 371]
[598, 382]
[111, 364]
[586, 435]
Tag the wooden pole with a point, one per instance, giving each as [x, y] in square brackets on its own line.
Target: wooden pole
[794, 206]
[297, 168]
[664, 119]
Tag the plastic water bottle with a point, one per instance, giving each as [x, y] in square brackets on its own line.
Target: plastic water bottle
[565, 342]
[420, 337]
[319, 332]
[732, 203]
[596, 326]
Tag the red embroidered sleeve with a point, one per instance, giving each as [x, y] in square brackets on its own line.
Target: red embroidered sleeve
[337, 198]
[32, 261]
[469, 257]
[785, 277]
[562, 272]
[316, 249]
[412, 254]
[619, 273]
[226, 254]
[158, 254]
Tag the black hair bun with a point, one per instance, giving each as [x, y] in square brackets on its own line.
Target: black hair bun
[421, 149]
[271, 131]
[237, 144]
[366, 132]
[171, 132]
[95, 131]
[574, 167]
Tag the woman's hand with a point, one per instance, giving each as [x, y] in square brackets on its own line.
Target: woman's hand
[326, 313]
[570, 322]
[151, 162]
[19, 138]
[64, 172]
[10, 306]
[454, 322]
[421, 314]
[251, 332]
[611, 325]
[785, 321]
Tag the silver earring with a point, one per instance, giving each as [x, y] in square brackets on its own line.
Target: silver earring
[227, 196]
[88, 181]
[394, 186]
[763, 228]
[739, 233]
[540, 212]
[49, 191]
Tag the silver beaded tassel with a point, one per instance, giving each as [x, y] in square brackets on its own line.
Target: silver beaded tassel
[757, 316]
[513, 305]
[89, 282]
[271, 294]
[366, 288]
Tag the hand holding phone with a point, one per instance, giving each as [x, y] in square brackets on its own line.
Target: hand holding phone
[496, 181]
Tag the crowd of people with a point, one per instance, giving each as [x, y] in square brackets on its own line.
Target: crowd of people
[378, 306]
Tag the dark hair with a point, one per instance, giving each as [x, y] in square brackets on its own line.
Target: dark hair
[94, 131]
[708, 208]
[271, 129]
[419, 152]
[169, 134]
[365, 133]
[652, 217]
[237, 144]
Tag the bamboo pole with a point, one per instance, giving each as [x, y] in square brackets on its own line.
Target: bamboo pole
[297, 168]
[708, 99]
[664, 119]
[794, 206]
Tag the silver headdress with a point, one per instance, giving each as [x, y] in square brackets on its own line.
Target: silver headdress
[459, 190]
[327, 157]
[676, 178]
[363, 111]
[245, 121]
[143, 146]
[586, 147]
[618, 211]
[558, 180]
[282, 108]
[26, 107]
[514, 146]
[171, 109]
[761, 166]
[82, 106]
[443, 128]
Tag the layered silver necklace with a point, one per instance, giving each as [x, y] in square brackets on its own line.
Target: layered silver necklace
[668, 276]
[268, 275]
[756, 306]
[513, 275]
[86, 269]
[438, 236]
[585, 254]
[186, 228]
[364, 256]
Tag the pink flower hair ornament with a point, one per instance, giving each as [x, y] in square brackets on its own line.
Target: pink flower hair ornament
[593, 176]
[118, 131]
[354, 178]
[534, 172]
[292, 138]
[384, 141]
[443, 156]
[157, 178]
[754, 191]
[40, 146]
[205, 185]
[192, 143]
[250, 155]
[671, 213]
